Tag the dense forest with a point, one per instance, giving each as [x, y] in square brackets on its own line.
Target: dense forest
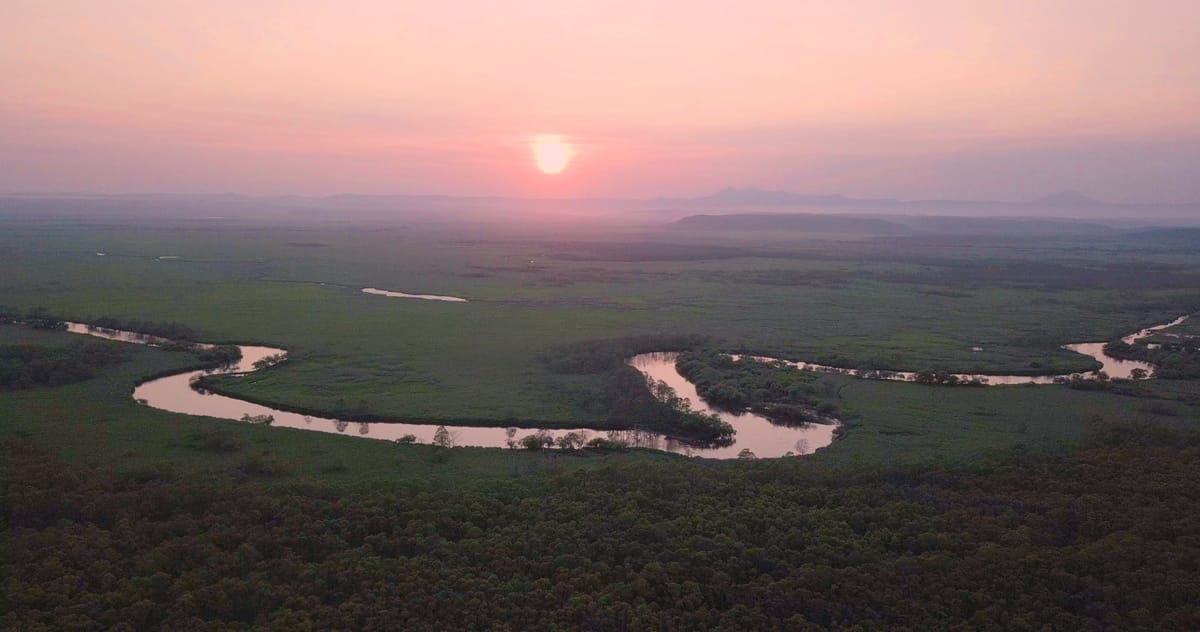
[1023, 541]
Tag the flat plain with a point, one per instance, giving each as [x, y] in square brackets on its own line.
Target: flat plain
[914, 302]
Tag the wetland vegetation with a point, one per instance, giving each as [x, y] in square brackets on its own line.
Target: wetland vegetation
[558, 316]
[930, 504]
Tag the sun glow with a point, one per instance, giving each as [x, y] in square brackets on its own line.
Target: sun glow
[551, 153]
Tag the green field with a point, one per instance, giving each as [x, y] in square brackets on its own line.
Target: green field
[1000, 508]
[931, 508]
[855, 302]
[98, 422]
[903, 303]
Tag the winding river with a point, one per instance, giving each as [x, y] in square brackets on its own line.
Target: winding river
[1112, 367]
[755, 433]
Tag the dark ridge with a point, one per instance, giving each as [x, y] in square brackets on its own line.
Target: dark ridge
[806, 222]
[641, 251]
[1004, 225]
[894, 224]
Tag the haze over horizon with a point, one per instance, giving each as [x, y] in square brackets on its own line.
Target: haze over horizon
[913, 100]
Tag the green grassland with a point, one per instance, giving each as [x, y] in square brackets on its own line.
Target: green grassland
[1027, 507]
[855, 302]
[98, 423]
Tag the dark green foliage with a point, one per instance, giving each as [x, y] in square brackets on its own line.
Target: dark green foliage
[1177, 359]
[537, 441]
[28, 366]
[656, 406]
[777, 391]
[601, 356]
[1027, 542]
[220, 355]
[602, 444]
[39, 318]
[935, 377]
[1100, 382]
[169, 330]
[623, 398]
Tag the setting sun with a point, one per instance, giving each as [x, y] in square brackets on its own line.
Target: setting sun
[551, 153]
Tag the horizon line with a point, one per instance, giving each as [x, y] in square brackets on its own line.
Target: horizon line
[825, 198]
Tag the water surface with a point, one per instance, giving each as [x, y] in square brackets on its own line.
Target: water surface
[1112, 367]
[175, 393]
[426, 297]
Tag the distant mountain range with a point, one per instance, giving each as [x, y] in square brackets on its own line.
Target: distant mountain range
[766, 197]
[872, 212]
[884, 225]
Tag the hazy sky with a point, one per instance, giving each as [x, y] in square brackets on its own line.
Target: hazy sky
[912, 98]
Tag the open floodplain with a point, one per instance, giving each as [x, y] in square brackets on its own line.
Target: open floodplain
[543, 338]
[529, 346]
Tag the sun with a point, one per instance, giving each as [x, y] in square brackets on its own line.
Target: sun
[551, 153]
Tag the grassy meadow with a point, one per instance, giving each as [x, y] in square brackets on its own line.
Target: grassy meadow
[852, 301]
[934, 502]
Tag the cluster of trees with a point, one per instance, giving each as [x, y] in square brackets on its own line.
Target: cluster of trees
[222, 355]
[622, 396]
[268, 361]
[676, 413]
[36, 318]
[777, 391]
[542, 440]
[600, 356]
[1070, 541]
[569, 441]
[945, 378]
[28, 366]
[170, 331]
[1174, 358]
[1100, 381]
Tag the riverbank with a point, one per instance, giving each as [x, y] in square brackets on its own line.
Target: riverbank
[755, 435]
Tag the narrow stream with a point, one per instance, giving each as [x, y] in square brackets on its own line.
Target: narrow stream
[1112, 367]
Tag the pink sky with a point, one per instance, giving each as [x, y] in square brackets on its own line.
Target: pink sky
[911, 98]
